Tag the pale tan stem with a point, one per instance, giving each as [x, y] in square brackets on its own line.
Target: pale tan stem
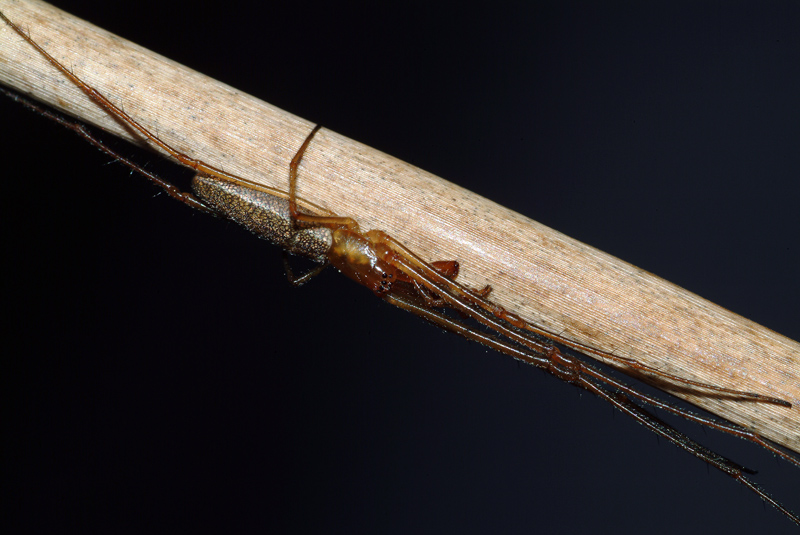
[545, 277]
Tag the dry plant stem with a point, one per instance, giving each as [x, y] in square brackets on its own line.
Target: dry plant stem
[545, 277]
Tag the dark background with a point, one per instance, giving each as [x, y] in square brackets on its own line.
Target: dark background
[162, 375]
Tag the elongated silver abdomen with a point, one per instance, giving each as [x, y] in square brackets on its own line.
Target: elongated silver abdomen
[265, 215]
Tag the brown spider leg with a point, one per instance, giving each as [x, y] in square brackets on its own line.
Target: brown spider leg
[450, 269]
[719, 425]
[660, 427]
[109, 107]
[413, 304]
[447, 268]
[471, 303]
[580, 367]
[83, 131]
[331, 222]
[132, 124]
[575, 372]
[437, 302]
[540, 347]
[577, 366]
[305, 277]
[432, 300]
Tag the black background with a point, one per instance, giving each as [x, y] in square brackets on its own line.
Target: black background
[162, 375]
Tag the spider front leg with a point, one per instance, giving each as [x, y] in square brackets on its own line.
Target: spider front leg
[384, 246]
